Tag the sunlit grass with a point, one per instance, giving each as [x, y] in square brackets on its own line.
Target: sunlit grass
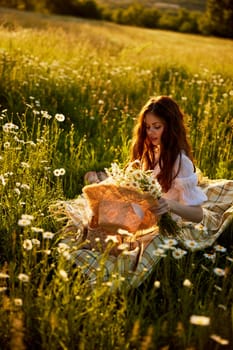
[100, 86]
[70, 93]
[140, 46]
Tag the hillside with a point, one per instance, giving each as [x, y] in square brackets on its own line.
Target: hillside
[197, 5]
[191, 51]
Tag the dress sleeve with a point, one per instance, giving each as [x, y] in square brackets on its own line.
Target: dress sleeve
[186, 184]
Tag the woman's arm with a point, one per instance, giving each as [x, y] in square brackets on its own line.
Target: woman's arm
[190, 213]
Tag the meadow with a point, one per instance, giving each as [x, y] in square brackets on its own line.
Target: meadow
[70, 91]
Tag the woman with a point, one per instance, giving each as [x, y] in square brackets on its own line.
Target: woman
[160, 143]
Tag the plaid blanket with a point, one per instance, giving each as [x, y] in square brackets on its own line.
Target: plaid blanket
[134, 266]
[217, 214]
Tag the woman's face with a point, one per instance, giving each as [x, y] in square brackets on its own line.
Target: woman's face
[154, 128]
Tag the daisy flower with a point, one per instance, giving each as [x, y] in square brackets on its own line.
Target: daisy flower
[23, 277]
[63, 274]
[219, 339]
[157, 284]
[210, 256]
[219, 272]
[187, 283]
[191, 244]
[62, 171]
[60, 117]
[56, 172]
[47, 235]
[24, 222]
[170, 241]
[200, 320]
[18, 302]
[178, 253]
[27, 244]
[220, 248]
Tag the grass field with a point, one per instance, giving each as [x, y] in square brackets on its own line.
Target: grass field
[70, 91]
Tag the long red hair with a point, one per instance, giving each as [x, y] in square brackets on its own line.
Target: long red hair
[173, 141]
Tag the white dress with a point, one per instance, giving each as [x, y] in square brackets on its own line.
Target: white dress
[184, 187]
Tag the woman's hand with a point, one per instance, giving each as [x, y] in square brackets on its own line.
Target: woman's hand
[192, 213]
[92, 177]
[160, 207]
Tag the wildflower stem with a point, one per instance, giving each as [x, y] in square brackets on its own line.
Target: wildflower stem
[168, 226]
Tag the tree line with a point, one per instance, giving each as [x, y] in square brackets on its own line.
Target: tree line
[216, 20]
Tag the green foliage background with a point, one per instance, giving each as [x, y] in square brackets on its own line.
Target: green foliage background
[196, 16]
